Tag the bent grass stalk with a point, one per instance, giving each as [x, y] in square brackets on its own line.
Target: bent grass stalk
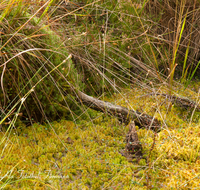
[35, 74]
[21, 101]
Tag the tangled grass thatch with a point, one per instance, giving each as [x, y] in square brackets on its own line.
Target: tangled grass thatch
[178, 25]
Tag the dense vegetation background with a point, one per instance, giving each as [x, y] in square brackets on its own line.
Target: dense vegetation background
[114, 50]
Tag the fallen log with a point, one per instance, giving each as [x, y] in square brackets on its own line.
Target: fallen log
[125, 115]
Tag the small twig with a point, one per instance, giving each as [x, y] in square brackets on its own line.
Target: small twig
[148, 162]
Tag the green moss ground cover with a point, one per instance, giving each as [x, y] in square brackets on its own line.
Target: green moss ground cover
[86, 155]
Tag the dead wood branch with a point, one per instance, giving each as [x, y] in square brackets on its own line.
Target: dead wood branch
[123, 114]
[182, 102]
[179, 101]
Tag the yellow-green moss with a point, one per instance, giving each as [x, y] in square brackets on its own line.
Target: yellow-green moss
[86, 156]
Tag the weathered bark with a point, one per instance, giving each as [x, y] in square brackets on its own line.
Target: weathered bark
[123, 114]
[133, 147]
[182, 102]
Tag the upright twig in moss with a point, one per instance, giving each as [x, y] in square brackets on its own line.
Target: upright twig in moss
[148, 178]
